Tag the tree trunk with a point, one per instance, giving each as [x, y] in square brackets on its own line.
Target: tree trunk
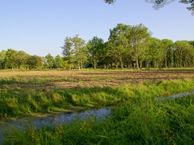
[79, 66]
[166, 61]
[121, 63]
[141, 64]
[147, 64]
[94, 65]
[137, 63]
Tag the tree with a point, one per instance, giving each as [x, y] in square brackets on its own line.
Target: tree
[21, 59]
[192, 43]
[119, 42]
[10, 59]
[75, 51]
[160, 3]
[58, 62]
[153, 53]
[109, 1]
[35, 62]
[68, 49]
[184, 54]
[49, 61]
[139, 35]
[14, 59]
[167, 52]
[2, 59]
[106, 60]
[95, 49]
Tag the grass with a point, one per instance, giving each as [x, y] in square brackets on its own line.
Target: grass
[137, 118]
[20, 102]
[140, 121]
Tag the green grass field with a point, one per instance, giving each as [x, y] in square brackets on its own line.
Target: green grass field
[140, 121]
[137, 118]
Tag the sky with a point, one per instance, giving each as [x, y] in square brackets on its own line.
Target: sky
[39, 27]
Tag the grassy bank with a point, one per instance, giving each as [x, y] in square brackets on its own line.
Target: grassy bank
[137, 117]
[17, 102]
[140, 121]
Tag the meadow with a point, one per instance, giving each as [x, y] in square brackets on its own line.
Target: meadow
[137, 116]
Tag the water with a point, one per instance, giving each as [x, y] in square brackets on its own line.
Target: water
[176, 96]
[53, 120]
[64, 118]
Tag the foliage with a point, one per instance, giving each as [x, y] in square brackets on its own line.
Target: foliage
[184, 54]
[75, 51]
[161, 3]
[21, 102]
[128, 46]
[143, 120]
[95, 51]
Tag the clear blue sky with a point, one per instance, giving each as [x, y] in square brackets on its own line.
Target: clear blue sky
[40, 26]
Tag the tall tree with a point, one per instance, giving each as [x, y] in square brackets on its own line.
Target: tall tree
[153, 53]
[49, 61]
[59, 62]
[10, 59]
[75, 51]
[95, 49]
[167, 52]
[2, 59]
[139, 36]
[119, 42]
[184, 54]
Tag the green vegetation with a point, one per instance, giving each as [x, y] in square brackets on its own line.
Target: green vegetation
[128, 46]
[138, 117]
[160, 3]
[142, 120]
[18, 101]
[131, 73]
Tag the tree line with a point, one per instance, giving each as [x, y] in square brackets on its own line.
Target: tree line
[128, 46]
[12, 59]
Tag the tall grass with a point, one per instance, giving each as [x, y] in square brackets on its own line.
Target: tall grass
[140, 121]
[23, 102]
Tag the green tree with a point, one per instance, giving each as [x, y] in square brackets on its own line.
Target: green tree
[184, 54]
[119, 43]
[10, 59]
[153, 54]
[35, 62]
[139, 36]
[49, 61]
[95, 49]
[167, 52]
[192, 43]
[59, 62]
[75, 51]
[2, 59]
[68, 49]
[21, 59]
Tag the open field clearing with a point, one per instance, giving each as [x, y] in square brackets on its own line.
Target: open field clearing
[97, 72]
[88, 78]
[24, 93]
[138, 116]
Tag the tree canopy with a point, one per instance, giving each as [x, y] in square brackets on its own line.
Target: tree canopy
[128, 46]
[160, 3]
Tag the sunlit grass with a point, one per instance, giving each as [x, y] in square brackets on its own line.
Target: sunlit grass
[137, 117]
[140, 121]
[24, 102]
